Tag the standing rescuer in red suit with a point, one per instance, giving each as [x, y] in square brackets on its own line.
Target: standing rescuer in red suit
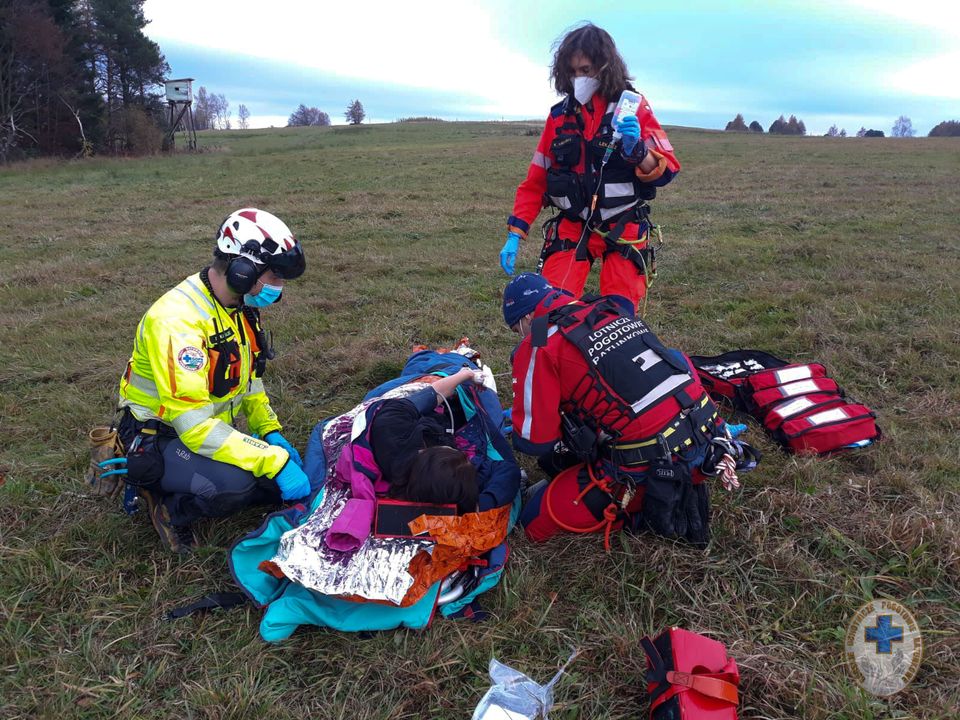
[604, 214]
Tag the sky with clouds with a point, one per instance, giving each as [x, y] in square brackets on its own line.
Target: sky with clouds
[699, 62]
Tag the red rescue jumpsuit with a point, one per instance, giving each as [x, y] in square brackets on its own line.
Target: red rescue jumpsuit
[619, 275]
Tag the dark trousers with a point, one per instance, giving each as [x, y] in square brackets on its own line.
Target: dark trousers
[194, 486]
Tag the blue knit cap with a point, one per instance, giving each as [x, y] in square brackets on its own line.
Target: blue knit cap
[522, 295]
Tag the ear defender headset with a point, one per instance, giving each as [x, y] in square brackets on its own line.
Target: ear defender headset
[242, 272]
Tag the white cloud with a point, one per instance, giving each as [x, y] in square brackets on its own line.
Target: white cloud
[938, 15]
[932, 77]
[450, 46]
[263, 121]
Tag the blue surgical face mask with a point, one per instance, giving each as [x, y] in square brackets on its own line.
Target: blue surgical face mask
[268, 295]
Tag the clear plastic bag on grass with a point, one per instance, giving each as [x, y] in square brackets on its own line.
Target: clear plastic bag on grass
[514, 696]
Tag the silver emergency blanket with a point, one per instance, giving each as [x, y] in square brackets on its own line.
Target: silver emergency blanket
[377, 570]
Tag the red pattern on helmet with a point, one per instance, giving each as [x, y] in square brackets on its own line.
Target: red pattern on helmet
[250, 215]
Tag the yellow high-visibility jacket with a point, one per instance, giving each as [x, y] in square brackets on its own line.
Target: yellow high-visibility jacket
[193, 368]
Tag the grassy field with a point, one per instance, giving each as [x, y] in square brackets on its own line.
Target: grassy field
[841, 251]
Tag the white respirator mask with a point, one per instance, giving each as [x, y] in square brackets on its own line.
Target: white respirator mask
[584, 87]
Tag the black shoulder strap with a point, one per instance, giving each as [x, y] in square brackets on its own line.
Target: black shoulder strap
[538, 331]
[658, 670]
[212, 601]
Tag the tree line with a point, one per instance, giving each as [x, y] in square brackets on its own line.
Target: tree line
[77, 76]
[303, 115]
[903, 127]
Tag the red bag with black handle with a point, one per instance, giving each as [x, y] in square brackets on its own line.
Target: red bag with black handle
[690, 677]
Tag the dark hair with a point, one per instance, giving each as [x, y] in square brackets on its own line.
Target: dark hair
[441, 475]
[220, 262]
[599, 47]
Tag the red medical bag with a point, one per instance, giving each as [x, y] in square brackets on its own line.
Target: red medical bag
[797, 407]
[801, 407]
[690, 677]
[761, 401]
[781, 376]
[722, 375]
[823, 431]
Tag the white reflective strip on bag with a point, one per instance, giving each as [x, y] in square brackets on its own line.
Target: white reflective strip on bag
[561, 202]
[827, 416]
[792, 408]
[615, 190]
[791, 374]
[215, 439]
[541, 160]
[660, 391]
[799, 388]
[606, 213]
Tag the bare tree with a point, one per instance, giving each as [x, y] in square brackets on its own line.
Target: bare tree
[843, 132]
[832, 132]
[201, 110]
[862, 132]
[86, 147]
[903, 127]
[219, 112]
[243, 117]
[355, 113]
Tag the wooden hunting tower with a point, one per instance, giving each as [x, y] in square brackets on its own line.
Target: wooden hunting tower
[180, 100]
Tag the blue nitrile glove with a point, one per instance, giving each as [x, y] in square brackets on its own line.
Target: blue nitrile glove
[275, 438]
[292, 482]
[507, 426]
[508, 256]
[736, 430]
[630, 130]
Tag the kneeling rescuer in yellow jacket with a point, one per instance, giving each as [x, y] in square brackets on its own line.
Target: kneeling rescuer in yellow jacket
[198, 360]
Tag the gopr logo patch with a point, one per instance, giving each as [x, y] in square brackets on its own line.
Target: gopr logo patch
[192, 358]
[883, 647]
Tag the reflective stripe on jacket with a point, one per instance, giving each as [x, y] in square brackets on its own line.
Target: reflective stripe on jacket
[192, 368]
[530, 195]
[555, 378]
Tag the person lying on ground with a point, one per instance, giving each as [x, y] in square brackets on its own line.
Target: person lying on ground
[416, 455]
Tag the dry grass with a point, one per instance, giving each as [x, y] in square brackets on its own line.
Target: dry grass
[844, 251]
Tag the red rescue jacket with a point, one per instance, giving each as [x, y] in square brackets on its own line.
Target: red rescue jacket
[554, 378]
[590, 125]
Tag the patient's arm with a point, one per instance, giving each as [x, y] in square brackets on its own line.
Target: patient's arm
[446, 385]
